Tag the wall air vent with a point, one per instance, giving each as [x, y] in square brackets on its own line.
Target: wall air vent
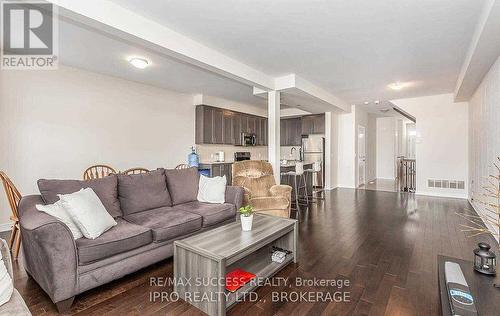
[446, 184]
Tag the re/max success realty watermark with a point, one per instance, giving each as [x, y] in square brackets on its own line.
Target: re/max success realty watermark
[294, 290]
[29, 31]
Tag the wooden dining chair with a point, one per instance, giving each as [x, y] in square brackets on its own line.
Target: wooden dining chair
[97, 172]
[182, 166]
[137, 170]
[13, 197]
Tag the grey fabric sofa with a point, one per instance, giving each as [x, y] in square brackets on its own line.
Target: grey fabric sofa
[152, 210]
[16, 304]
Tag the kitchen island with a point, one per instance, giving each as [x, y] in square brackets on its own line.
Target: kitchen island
[289, 180]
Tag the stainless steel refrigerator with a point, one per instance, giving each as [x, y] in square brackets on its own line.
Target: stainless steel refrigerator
[313, 149]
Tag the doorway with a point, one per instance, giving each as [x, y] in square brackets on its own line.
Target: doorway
[361, 155]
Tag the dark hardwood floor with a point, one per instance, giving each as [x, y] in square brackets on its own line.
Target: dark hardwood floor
[386, 244]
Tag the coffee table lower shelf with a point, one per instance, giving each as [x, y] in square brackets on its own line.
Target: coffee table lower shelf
[200, 273]
[262, 272]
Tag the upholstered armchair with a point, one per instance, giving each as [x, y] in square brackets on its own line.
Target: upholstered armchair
[261, 191]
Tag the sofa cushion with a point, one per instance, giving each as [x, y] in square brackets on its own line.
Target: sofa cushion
[182, 184]
[106, 189]
[140, 192]
[212, 213]
[123, 237]
[167, 223]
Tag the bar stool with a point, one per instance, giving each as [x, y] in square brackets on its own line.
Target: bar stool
[298, 176]
[316, 169]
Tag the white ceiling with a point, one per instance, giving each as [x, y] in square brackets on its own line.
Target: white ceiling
[382, 109]
[85, 48]
[352, 49]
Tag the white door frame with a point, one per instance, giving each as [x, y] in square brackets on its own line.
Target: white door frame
[361, 161]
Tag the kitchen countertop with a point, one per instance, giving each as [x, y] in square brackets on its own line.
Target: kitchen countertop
[293, 163]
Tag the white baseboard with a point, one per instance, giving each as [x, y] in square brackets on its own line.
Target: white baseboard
[444, 194]
[330, 188]
[5, 227]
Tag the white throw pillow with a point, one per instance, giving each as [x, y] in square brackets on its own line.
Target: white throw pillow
[88, 212]
[6, 284]
[212, 190]
[58, 211]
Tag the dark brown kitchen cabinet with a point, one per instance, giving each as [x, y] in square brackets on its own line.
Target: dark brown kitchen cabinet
[307, 125]
[236, 129]
[319, 124]
[290, 132]
[283, 139]
[218, 127]
[204, 125]
[263, 131]
[221, 126]
[227, 131]
[295, 136]
[252, 122]
[261, 128]
[218, 170]
[313, 124]
[244, 123]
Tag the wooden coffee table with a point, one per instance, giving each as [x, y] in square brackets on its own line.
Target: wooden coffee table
[202, 261]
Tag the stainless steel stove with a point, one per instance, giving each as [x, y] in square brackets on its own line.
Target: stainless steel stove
[241, 155]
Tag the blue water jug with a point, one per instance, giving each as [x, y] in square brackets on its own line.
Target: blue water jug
[193, 158]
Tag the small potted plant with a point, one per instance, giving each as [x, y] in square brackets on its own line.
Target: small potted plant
[246, 216]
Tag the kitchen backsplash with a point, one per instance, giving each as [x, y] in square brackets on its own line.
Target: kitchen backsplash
[207, 152]
[287, 153]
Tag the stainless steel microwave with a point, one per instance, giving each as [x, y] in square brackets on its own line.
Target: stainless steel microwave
[248, 139]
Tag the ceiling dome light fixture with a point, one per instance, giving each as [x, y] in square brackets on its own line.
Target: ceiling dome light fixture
[140, 63]
[399, 85]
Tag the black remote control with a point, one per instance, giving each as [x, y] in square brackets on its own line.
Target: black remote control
[461, 300]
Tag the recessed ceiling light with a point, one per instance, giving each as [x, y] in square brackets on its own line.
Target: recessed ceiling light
[366, 102]
[399, 85]
[376, 102]
[140, 63]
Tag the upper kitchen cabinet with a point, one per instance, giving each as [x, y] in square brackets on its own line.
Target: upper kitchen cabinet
[209, 127]
[221, 126]
[252, 124]
[313, 124]
[290, 131]
[218, 127]
[227, 133]
[204, 125]
[236, 130]
[261, 131]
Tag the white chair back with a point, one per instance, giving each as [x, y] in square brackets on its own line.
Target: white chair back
[317, 166]
[299, 168]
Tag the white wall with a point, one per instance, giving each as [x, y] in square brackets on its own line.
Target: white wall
[484, 133]
[54, 124]
[331, 149]
[386, 147]
[231, 105]
[346, 170]
[367, 120]
[371, 148]
[441, 151]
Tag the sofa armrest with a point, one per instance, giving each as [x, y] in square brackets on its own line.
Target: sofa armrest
[234, 195]
[49, 250]
[282, 190]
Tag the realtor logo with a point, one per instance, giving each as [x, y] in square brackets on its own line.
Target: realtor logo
[29, 35]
